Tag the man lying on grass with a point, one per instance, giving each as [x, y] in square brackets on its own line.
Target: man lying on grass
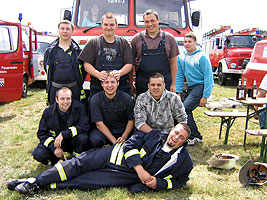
[146, 161]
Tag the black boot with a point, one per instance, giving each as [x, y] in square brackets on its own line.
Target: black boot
[27, 187]
[12, 183]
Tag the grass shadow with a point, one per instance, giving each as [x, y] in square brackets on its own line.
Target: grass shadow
[7, 118]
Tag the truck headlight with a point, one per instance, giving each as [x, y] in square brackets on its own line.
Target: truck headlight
[233, 65]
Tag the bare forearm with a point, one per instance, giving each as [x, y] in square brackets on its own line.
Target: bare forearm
[126, 69]
[145, 128]
[128, 129]
[90, 69]
[104, 129]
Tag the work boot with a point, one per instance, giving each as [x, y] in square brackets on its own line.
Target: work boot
[12, 183]
[27, 187]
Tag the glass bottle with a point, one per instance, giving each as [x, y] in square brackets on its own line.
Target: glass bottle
[254, 90]
[239, 91]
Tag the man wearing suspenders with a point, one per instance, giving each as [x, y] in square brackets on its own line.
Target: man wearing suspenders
[154, 51]
[108, 52]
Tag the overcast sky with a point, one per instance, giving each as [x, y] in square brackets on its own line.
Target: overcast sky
[240, 14]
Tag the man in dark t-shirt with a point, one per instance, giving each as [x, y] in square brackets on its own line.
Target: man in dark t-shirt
[112, 112]
[108, 52]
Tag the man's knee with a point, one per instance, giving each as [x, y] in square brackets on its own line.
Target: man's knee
[41, 154]
[82, 142]
[96, 139]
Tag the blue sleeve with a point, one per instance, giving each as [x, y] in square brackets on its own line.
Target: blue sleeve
[179, 77]
[208, 75]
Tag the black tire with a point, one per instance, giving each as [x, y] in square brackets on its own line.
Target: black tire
[24, 87]
[221, 77]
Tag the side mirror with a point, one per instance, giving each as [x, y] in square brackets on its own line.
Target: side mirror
[195, 18]
[67, 15]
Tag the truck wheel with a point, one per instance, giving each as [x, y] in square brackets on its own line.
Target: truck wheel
[222, 77]
[24, 87]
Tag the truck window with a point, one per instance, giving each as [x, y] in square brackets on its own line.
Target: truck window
[170, 12]
[34, 48]
[8, 38]
[90, 12]
[241, 41]
[25, 40]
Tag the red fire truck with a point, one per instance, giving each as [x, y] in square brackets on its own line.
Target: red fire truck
[257, 66]
[18, 60]
[229, 52]
[179, 19]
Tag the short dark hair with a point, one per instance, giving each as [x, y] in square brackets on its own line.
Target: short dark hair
[66, 22]
[157, 75]
[151, 11]
[109, 15]
[65, 89]
[186, 128]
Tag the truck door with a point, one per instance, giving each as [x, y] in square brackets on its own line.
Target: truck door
[11, 62]
[34, 52]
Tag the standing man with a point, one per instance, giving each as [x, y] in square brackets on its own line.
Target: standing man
[147, 161]
[195, 66]
[63, 127]
[62, 66]
[158, 108]
[108, 52]
[112, 113]
[154, 51]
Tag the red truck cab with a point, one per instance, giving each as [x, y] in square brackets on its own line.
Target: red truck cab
[257, 66]
[18, 60]
[229, 53]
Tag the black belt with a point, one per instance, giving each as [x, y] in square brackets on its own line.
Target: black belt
[59, 85]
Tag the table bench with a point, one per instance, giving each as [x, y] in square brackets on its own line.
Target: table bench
[263, 133]
[227, 118]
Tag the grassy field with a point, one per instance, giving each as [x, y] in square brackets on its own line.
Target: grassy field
[19, 122]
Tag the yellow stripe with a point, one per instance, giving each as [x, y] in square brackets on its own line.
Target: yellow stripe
[73, 130]
[53, 186]
[48, 140]
[120, 156]
[76, 154]
[114, 153]
[61, 172]
[169, 182]
[131, 153]
[142, 153]
[82, 96]
[47, 69]
[80, 68]
[53, 133]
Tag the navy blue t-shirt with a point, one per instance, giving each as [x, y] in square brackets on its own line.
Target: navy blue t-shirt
[114, 113]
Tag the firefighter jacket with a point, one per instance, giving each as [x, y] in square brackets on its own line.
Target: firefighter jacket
[142, 148]
[49, 126]
[79, 71]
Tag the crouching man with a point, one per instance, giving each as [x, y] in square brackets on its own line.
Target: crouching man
[146, 161]
[62, 128]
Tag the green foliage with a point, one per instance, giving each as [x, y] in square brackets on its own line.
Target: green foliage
[19, 122]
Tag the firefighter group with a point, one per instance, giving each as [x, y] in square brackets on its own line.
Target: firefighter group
[131, 130]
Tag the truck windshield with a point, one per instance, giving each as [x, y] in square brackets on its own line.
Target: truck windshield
[242, 41]
[90, 12]
[7, 43]
[171, 12]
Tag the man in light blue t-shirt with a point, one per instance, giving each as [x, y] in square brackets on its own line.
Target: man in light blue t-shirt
[194, 66]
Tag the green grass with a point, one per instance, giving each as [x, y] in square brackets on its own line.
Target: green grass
[19, 123]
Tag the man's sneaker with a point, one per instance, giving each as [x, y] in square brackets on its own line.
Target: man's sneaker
[28, 187]
[191, 142]
[12, 183]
